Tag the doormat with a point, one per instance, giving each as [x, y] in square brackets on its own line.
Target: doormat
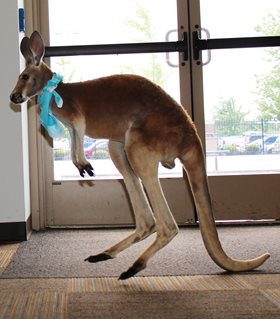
[61, 253]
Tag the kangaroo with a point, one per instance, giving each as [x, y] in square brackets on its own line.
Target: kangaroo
[145, 127]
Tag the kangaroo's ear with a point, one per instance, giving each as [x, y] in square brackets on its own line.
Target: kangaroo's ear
[26, 51]
[37, 47]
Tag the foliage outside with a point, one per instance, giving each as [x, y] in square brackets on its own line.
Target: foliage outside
[268, 85]
[227, 111]
[229, 117]
[143, 28]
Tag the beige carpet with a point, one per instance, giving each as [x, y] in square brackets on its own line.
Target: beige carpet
[249, 296]
[61, 253]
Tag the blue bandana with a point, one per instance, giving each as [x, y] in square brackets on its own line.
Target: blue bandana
[53, 126]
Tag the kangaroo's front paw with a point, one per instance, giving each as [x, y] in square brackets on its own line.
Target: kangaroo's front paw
[87, 168]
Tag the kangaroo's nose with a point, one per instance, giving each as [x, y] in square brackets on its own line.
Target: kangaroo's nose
[16, 98]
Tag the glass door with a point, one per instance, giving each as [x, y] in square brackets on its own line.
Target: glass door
[125, 22]
[241, 109]
[102, 200]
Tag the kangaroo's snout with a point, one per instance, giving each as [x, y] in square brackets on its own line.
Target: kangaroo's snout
[17, 98]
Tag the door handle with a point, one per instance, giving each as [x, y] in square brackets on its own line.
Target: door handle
[167, 55]
[208, 60]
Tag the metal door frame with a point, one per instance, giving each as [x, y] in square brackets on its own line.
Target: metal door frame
[190, 47]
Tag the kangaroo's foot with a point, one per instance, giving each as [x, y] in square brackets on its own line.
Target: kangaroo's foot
[98, 258]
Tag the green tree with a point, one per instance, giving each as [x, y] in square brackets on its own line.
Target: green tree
[229, 117]
[141, 23]
[268, 85]
[143, 28]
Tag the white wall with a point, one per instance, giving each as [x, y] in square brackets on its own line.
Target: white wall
[14, 182]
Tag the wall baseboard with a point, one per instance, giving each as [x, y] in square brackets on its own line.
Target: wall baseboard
[17, 231]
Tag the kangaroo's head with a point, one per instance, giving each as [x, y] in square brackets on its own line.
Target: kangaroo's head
[36, 74]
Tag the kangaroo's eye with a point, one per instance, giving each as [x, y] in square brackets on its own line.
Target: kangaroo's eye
[25, 77]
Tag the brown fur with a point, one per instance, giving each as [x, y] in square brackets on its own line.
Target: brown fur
[145, 126]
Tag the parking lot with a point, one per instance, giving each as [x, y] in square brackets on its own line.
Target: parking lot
[244, 164]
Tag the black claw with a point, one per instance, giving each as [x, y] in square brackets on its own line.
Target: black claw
[99, 257]
[90, 171]
[127, 274]
[133, 270]
[86, 169]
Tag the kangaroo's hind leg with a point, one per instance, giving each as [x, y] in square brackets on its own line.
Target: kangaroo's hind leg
[144, 220]
[145, 162]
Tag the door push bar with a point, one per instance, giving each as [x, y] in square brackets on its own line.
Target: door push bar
[156, 47]
[231, 43]
[125, 48]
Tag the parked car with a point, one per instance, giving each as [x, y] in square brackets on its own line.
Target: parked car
[97, 150]
[275, 148]
[262, 145]
[88, 141]
[270, 143]
[229, 141]
[274, 145]
[237, 144]
[251, 136]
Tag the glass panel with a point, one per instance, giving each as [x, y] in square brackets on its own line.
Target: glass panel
[90, 22]
[241, 89]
